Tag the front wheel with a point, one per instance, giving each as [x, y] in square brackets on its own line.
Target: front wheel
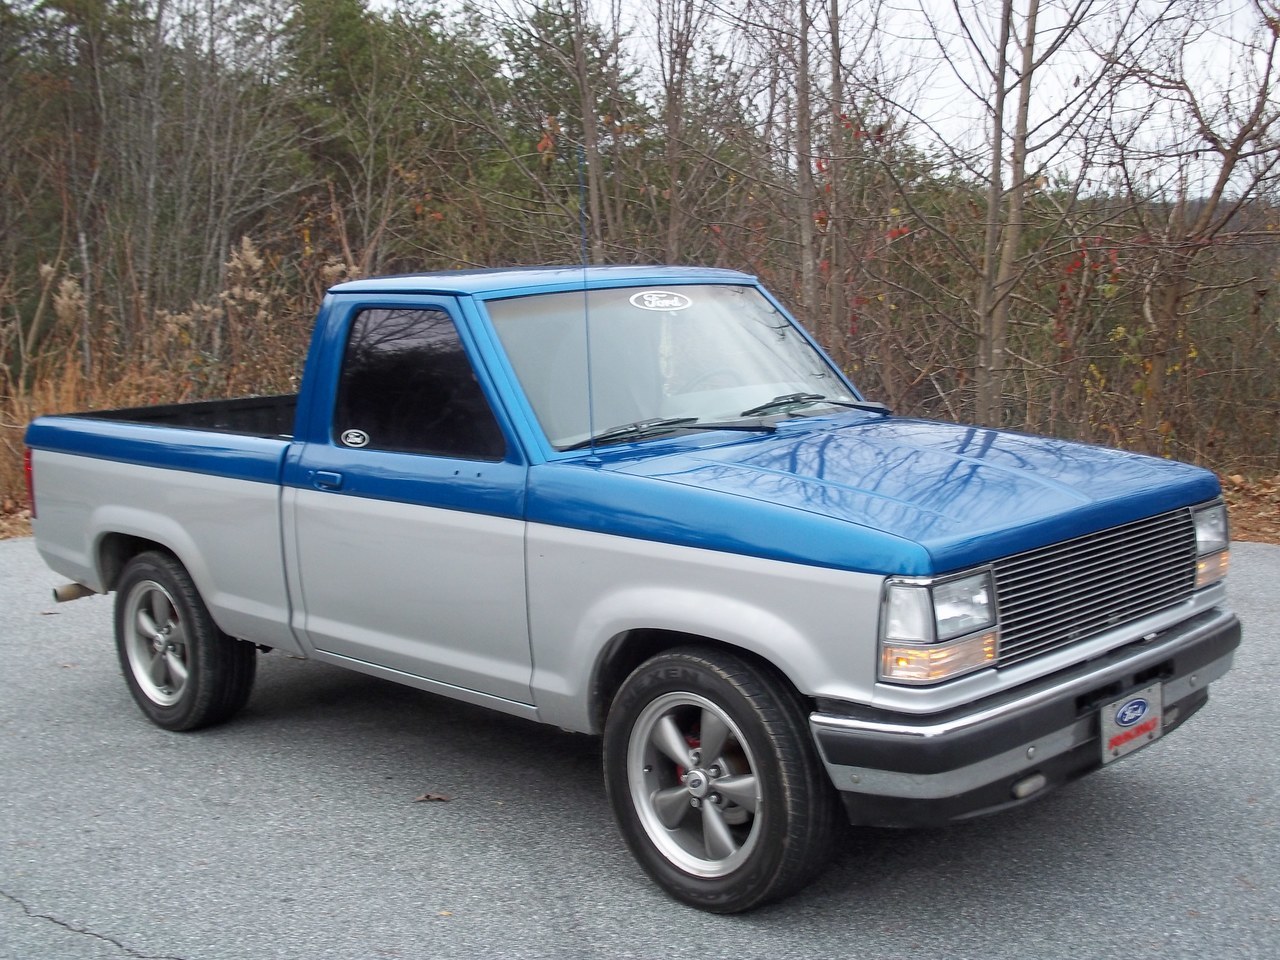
[715, 782]
[182, 670]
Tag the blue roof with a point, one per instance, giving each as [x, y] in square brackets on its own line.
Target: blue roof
[511, 279]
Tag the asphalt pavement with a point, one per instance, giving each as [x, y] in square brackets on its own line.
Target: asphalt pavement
[297, 832]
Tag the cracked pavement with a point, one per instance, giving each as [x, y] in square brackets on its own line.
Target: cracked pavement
[48, 944]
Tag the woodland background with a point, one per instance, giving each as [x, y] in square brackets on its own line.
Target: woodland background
[1061, 216]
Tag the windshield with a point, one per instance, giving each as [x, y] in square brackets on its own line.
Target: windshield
[709, 353]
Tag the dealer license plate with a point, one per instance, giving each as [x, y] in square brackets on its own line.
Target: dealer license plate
[1132, 722]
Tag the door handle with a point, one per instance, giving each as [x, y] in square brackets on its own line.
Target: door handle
[327, 480]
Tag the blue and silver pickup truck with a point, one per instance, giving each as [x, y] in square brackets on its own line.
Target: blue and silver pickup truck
[640, 502]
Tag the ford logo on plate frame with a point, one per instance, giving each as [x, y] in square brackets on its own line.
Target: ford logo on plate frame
[1132, 711]
[1131, 722]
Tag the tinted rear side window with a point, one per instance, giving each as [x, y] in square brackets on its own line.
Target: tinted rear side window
[408, 386]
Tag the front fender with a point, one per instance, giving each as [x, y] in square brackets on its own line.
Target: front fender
[816, 626]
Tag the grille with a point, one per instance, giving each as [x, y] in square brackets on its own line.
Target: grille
[1068, 592]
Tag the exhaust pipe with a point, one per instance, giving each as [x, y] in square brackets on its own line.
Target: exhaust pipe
[72, 591]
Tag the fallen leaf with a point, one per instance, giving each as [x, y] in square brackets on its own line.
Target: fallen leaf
[428, 797]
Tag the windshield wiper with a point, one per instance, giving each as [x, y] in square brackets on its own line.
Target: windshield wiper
[646, 428]
[633, 431]
[744, 427]
[798, 399]
[868, 405]
[786, 400]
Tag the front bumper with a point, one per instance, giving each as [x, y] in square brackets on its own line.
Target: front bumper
[906, 770]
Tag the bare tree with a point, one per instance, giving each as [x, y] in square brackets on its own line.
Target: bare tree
[1215, 150]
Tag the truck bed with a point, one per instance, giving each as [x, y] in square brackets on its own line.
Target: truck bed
[250, 416]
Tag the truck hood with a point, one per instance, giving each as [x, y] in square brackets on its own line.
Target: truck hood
[898, 495]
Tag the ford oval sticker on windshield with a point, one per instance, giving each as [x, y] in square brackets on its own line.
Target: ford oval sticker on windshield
[661, 300]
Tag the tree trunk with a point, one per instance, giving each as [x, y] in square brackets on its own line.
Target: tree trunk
[837, 315]
[807, 192]
[590, 134]
[987, 388]
[1005, 220]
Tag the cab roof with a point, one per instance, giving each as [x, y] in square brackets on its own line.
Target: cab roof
[513, 280]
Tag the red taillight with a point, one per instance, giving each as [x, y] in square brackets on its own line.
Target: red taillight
[31, 481]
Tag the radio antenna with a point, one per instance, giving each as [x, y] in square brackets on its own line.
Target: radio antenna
[586, 310]
[582, 207]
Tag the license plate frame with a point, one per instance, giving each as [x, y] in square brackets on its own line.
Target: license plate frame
[1131, 722]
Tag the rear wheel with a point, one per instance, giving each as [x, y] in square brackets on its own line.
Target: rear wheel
[715, 782]
[182, 670]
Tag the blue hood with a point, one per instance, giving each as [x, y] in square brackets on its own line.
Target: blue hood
[883, 495]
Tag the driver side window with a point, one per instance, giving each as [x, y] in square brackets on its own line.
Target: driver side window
[407, 385]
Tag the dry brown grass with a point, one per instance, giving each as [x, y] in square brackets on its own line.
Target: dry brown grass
[15, 524]
[59, 385]
[1254, 506]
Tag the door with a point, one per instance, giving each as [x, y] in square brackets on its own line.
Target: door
[407, 520]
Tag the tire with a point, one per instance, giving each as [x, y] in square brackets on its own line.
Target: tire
[182, 670]
[715, 782]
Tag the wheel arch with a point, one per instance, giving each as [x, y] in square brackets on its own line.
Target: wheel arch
[115, 550]
[119, 532]
[627, 650]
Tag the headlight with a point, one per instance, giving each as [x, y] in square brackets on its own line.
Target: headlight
[933, 631]
[963, 606]
[1213, 542]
